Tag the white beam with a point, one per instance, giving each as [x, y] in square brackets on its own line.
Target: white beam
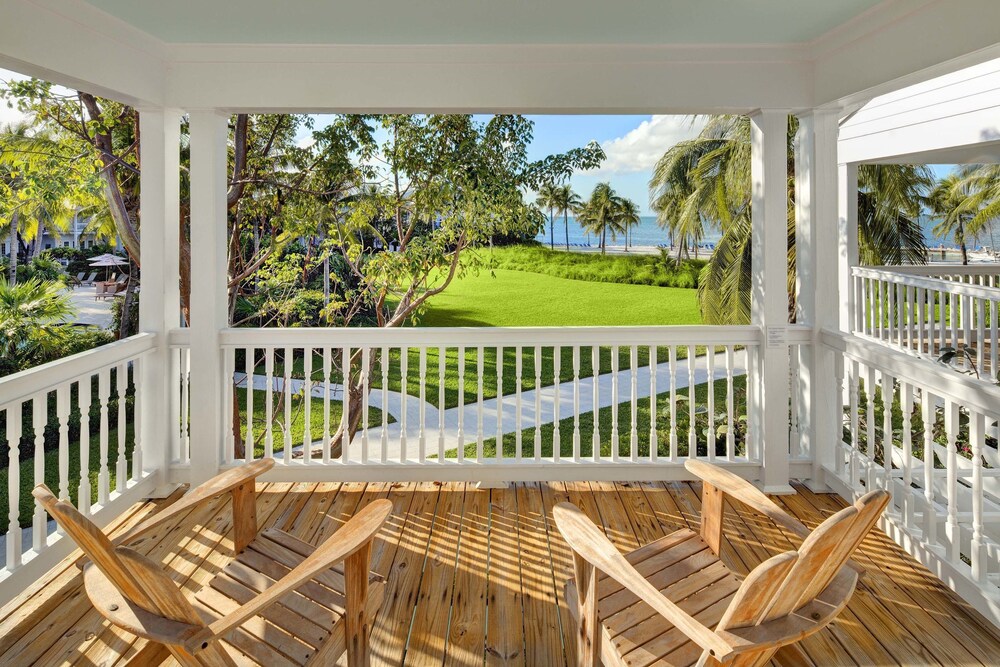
[209, 312]
[847, 240]
[816, 262]
[769, 207]
[159, 303]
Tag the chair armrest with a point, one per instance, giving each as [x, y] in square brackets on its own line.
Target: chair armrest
[351, 538]
[745, 492]
[589, 543]
[227, 481]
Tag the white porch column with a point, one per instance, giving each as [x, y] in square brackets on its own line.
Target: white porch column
[769, 215]
[847, 238]
[209, 314]
[816, 265]
[159, 302]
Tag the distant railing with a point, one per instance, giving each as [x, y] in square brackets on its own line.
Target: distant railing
[928, 434]
[73, 425]
[928, 310]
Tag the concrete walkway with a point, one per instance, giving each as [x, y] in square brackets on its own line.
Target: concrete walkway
[436, 428]
[89, 310]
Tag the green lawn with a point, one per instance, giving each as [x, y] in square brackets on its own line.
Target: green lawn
[519, 299]
[663, 423]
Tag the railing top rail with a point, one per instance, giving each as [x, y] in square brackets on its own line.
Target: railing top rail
[493, 336]
[910, 279]
[941, 269]
[939, 379]
[48, 376]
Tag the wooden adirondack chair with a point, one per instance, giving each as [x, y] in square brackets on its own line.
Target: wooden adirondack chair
[674, 602]
[279, 601]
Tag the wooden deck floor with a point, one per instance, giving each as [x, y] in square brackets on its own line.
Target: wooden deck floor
[476, 576]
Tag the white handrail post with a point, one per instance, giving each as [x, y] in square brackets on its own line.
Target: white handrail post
[847, 240]
[209, 313]
[769, 367]
[816, 246]
[159, 303]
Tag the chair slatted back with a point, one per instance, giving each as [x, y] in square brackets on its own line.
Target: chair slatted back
[757, 591]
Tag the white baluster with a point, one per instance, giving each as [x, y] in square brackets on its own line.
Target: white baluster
[422, 387]
[794, 439]
[269, 402]
[595, 364]
[62, 414]
[538, 403]
[556, 398]
[518, 370]
[103, 475]
[854, 377]
[307, 385]
[404, 371]
[228, 391]
[887, 444]
[928, 414]
[615, 444]
[921, 299]
[289, 360]
[136, 420]
[384, 443]
[653, 444]
[692, 401]
[978, 555]
[576, 402]
[634, 414]
[461, 405]
[13, 414]
[906, 407]
[730, 405]
[83, 402]
[345, 438]
[480, 353]
[869, 460]
[39, 418]
[121, 463]
[673, 403]
[442, 354]
[710, 366]
[980, 336]
[993, 341]
[499, 367]
[951, 528]
[366, 354]
[185, 434]
[248, 441]
[327, 381]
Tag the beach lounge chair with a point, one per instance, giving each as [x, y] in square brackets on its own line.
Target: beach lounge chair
[327, 593]
[90, 279]
[675, 602]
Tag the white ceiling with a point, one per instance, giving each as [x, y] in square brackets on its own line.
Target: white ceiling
[486, 21]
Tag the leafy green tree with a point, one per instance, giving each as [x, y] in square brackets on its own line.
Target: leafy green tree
[948, 203]
[566, 202]
[704, 183]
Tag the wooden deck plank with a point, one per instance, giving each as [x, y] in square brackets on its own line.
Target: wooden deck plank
[466, 638]
[504, 614]
[543, 643]
[429, 631]
[394, 619]
[477, 575]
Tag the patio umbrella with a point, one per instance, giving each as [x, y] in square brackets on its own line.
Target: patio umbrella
[107, 260]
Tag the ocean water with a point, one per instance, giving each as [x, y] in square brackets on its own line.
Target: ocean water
[648, 233]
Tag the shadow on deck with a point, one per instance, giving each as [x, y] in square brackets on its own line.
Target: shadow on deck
[477, 575]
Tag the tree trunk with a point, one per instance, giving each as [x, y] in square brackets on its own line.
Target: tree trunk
[566, 225]
[552, 231]
[961, 241]
[604, 236]
[239, 447]
[14, 243]
[130, 289]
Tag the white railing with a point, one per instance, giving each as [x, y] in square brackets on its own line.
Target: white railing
[934, 449]
[927, 309]
[459, 403]
[72, 424]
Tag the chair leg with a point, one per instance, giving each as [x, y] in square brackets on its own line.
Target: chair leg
[589, 629]
[356, 615]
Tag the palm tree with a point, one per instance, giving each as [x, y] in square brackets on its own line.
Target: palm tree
[547, 199]
[34, 317]
[983, 201]
[705, 183]
[948, 202]
[628, 216]
[565, 201]
[607, 212]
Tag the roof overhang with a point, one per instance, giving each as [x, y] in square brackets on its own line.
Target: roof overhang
[894, 43]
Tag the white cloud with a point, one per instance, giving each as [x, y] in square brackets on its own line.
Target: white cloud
[640, 148]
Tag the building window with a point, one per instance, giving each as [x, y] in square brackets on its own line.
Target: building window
[48, 246]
